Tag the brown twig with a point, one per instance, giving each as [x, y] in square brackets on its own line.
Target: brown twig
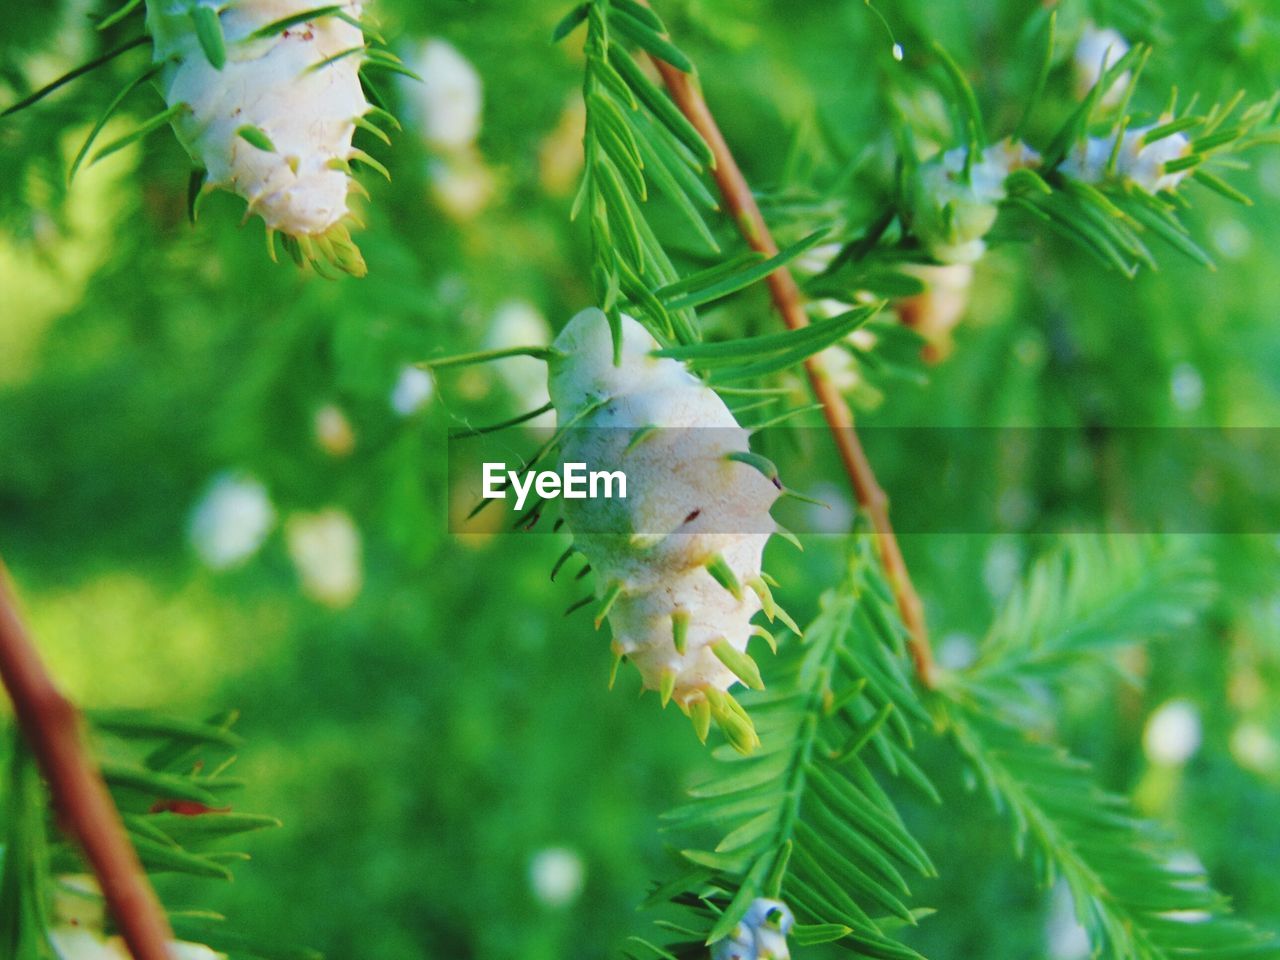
[789, 301]
[52, 727]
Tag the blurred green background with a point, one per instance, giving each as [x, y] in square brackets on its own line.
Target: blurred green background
[454, 777]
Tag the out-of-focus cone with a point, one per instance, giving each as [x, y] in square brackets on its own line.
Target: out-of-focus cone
[560, 152]
[935, 312]
[325, 549]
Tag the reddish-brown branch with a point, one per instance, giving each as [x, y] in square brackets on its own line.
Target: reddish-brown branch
[52, 727]
[789, 301]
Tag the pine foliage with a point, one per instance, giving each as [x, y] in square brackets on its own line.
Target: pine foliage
[1112, 216]
[809, 818]
[168, 777]
[1078, 604]
[638, 145]
[1096, 206]
[635, 138]
[806, 816]
[1132, 890]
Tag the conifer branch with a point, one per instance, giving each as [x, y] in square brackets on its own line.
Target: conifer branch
[1075, 607]
[1130, 891]
[52, 727]
[807, 816]
[788, 300]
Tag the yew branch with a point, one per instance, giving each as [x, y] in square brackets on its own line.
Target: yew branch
[789, 301]
[52, 728]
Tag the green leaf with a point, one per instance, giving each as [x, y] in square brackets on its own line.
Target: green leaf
[767, 468]
[118, 14]
[165, 858]
[814, 337]
[1075, 128]
[749, 833]
[171, 754]
[1160, 220]
[831, 888]
[1164, 130]
[570, 22]
[727, 268]
[219, 937]
[663, 109]
[164, 786]
[1042, 75]
[680, 160]
[187, 830]
[1065, 219]
[209, 32]
[827, 333]
[747, 891]
[972, 113]
[108, 113]
[24, 874]
[148, 127]
[255, 137]
[749, 274]
[645, 37]
[813, 934]
[622, 219]
[141, 724]
[139, 824]
[760, 774]
[657, 171]
[640, 12]
[619, 141]
[70, 75]
[284, 23]
[385, 60]
[1221, 187]
[487, 356]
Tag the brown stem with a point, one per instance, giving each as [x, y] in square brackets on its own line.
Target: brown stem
[789, 301]
[52, 727]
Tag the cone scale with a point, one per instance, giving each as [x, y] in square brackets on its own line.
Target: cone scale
[675, 554]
